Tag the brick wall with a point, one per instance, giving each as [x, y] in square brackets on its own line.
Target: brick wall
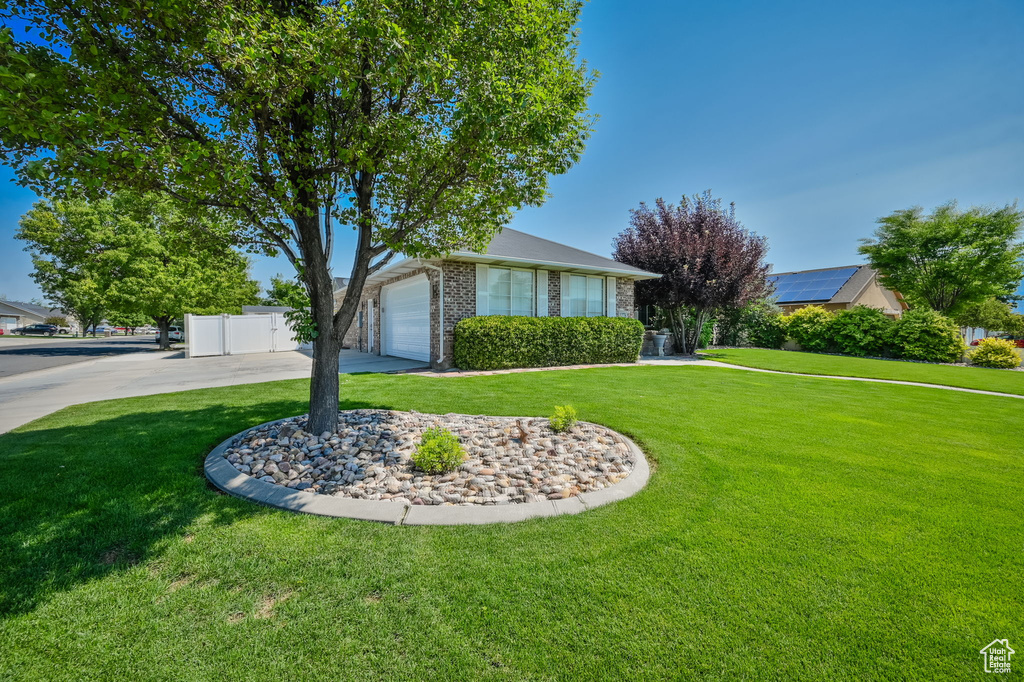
[624, 306]
[459, 301]
[554, 294]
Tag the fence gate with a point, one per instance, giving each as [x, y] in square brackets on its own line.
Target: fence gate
[238, 334]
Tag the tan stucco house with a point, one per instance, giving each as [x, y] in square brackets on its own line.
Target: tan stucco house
[836, 289]
[409, 309]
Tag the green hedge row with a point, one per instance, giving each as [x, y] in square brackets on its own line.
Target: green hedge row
[505, 342]
[919, 334]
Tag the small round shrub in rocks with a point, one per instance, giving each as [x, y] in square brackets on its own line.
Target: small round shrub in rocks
[923, 334]
[810, 327]
[439, 451]
[997, 353]
[563, 419]
[861, 331]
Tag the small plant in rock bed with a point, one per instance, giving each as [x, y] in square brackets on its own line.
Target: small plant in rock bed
[563, 419]
[997, 353]
[439, 451]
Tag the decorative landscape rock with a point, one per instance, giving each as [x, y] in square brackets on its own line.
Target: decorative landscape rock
[369, 457]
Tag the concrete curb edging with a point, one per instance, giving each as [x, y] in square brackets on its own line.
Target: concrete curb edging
[226, 478]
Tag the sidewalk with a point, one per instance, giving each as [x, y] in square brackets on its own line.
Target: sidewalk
[26, 397]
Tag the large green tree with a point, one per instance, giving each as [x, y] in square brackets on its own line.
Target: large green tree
[65, 241]
[418, 125]
[950, 258]
[153, 259]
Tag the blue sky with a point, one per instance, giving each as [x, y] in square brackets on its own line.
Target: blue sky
[814, 118]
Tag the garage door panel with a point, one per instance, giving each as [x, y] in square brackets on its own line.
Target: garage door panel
[407, 319]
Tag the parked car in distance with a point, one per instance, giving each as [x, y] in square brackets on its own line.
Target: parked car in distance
[1018, 341]
[173, 334]
[43, 329]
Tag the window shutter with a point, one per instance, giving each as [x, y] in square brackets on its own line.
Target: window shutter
[610, 297]
[564, 312]
[481, 289]
[542, 293]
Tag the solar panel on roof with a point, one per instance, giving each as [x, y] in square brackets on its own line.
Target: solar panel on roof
[810, 286]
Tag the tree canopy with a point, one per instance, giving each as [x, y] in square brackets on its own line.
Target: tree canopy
[950, 258]
[65, 241]
[707, 260]
[153, 260]
[418, 125]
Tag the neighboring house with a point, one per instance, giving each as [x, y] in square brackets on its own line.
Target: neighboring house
[836, 289]
[402, 305]
[17, 314]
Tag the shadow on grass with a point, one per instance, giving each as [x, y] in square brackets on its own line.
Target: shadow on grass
[86, 499]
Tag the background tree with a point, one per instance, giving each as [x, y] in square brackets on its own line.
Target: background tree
[708, 261]
[950, 258]
[152, 259]
[166, 262]
[64, 239]
[989, 314]
[57, 320]
[129, 320]
[285, 292]
[420, 125]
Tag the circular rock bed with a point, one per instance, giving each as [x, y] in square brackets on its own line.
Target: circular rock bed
[509, 460]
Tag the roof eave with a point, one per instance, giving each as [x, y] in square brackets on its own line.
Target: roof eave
[470, 257]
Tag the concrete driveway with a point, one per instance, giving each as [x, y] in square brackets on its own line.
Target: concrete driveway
[354, 362]
[28, 396]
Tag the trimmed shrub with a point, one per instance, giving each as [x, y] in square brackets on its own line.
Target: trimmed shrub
[998, 353]
[563, 419]
[504, 342]
[923, 334]
[767, 331]
[810, 327]
[860, 331]
[439, 451]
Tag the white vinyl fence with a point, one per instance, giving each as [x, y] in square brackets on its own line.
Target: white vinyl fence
[238, 334]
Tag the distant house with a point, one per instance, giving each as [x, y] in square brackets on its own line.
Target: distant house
[18, 314]
[836, 289]
[409, 309]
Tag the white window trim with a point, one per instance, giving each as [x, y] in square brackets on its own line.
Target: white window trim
[606, 300]
[483, 292]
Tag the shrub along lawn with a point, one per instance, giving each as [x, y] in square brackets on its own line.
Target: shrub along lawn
[791, 528]
[981, 378]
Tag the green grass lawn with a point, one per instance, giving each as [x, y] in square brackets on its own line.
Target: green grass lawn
[792, 528]
[1000, 380]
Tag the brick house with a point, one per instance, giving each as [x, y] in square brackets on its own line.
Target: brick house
[401, 309]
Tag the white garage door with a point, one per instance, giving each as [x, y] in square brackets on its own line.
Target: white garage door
[407, 319]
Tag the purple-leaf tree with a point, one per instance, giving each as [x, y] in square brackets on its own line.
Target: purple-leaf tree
[707, 260]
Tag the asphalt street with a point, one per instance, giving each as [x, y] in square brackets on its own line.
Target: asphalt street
[18, 356]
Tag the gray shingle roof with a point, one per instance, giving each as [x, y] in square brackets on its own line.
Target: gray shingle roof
[36, 309]
[511, 243]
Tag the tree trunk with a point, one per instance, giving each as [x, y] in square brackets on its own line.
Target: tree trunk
[165, 335]
[323, 386]
[678, 322]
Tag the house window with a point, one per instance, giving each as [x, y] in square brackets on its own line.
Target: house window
[510, 291]
[586, 296]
